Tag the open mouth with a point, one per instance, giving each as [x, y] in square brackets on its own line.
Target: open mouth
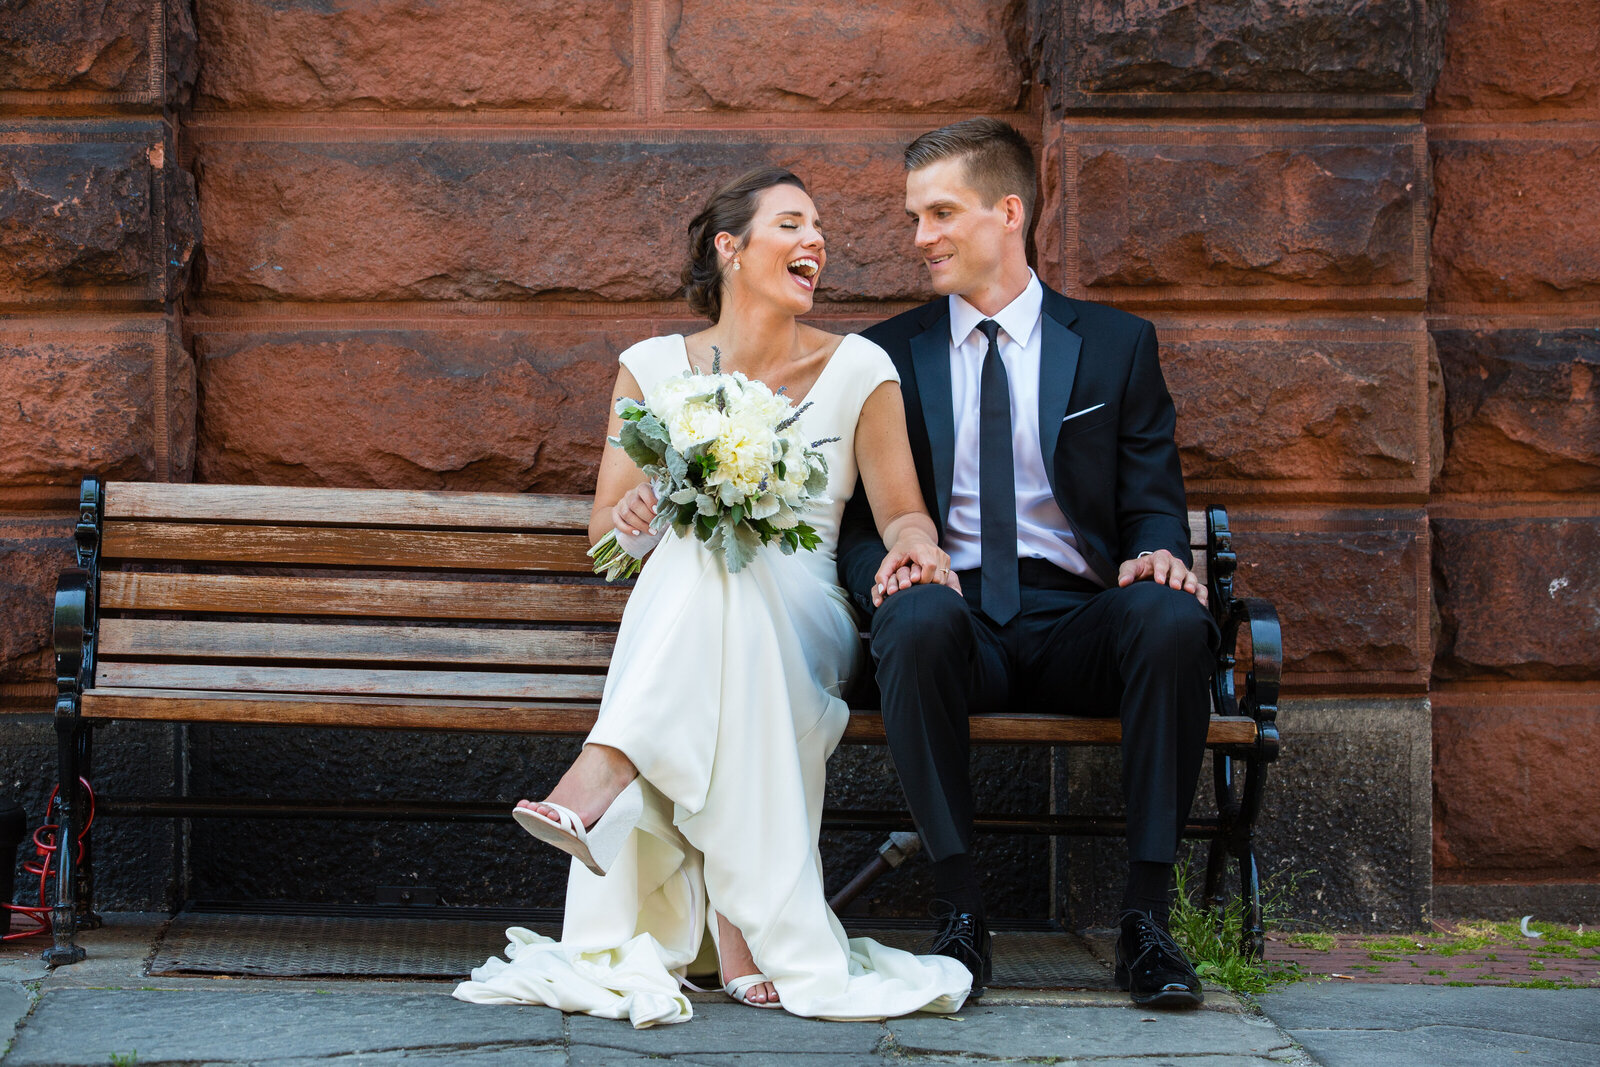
[934, 262]
[804, 271]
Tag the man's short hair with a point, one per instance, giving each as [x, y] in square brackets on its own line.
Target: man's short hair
[999, 160]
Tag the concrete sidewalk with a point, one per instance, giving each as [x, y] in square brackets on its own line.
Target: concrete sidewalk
[107, 1010]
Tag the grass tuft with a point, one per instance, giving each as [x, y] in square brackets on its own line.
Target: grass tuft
[1214, 938]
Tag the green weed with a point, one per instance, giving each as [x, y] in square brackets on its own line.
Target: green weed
[1214, 938]
[1315, 942]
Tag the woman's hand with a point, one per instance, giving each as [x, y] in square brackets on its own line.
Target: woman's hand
[636, 510]
[914, 559]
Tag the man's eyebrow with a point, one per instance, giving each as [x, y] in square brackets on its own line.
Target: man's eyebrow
[935, 204]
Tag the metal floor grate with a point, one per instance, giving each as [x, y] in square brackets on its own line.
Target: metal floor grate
[324, 946]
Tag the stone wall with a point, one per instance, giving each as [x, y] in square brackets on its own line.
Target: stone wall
[1255, 178]
[425, 231]
[97, 228]
[1514, 308]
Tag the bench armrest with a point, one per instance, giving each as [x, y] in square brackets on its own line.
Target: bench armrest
[1265, 674]
[73, 631]
[1265, 671]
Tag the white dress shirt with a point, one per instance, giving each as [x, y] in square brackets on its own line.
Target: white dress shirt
[1042, 530]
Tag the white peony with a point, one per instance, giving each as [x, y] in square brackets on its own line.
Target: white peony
[694, 423]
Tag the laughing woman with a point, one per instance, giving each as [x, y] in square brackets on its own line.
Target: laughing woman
[696, 802]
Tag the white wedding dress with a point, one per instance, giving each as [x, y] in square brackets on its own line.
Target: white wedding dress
[724, 691]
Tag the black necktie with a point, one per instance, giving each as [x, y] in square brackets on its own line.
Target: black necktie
[997, 492]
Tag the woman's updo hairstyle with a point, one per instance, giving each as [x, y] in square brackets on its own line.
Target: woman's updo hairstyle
[729, 210]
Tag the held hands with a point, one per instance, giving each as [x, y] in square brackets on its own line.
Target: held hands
[1161, 566]
[635, 511]
[914, 559]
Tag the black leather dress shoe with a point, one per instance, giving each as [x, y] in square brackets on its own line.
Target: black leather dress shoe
[964, 937]
[1151, 966]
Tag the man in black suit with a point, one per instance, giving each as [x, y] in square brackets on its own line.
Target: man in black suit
[1043, 437]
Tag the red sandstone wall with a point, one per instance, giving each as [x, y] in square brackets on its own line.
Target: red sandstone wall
[97, 225]
[428, 229]
[1514, 306]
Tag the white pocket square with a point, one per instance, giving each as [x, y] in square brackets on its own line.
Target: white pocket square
[1085, 411]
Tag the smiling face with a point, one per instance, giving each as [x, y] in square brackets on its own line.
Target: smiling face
[966, 243]
[782, 255]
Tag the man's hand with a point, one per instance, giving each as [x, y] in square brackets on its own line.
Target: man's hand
[1161, 566]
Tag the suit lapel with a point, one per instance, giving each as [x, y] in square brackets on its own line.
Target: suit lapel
[930, 356]
[1058, 368]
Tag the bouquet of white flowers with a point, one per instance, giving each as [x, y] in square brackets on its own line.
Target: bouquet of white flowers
[726, 459]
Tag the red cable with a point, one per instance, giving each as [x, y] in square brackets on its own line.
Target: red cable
[44, 842]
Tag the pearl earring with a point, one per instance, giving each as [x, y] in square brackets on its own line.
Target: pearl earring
[736, 264]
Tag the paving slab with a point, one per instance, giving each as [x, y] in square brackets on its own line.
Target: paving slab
[1042, 1033]
[493, 1056]
[596, 1056]
[86, 1026]
[721, 1026]
[1382, 1025]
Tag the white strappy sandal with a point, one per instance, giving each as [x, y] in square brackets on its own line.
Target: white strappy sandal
[739, 989]
[596, 847]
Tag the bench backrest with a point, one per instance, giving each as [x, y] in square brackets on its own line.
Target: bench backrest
[335, 590]
[425, 594]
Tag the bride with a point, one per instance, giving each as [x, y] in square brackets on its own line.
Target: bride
[696, 802]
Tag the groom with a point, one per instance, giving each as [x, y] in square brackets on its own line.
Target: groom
[1043, 438]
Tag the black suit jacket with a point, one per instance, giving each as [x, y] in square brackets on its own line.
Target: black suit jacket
[1114, 471]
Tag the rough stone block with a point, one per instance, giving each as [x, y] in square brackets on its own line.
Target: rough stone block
[1350, 586]
[412, 54]
[1513, 776]
[1349, 799]
[85, 402]
[505, 409]
[1233, 46]
[33, 553]
[1518, 597]
[505, 768]
[134, 859]
[1311, 405]
[1260, 217]
[1520, 53]
[105, 216]
[454, 220]
[1522, 409]
[75, 215]
[1515, 221]
[966, 56]
[64, 45]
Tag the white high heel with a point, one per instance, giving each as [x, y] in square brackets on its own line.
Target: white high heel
[596, 847]
[739, 988]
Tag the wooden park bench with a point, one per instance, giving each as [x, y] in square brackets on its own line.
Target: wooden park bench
[457, 611]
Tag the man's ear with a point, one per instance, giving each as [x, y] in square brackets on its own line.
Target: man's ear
[1016, 213]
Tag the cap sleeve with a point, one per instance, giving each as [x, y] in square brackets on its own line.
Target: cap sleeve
[871, 364]
[654, 359]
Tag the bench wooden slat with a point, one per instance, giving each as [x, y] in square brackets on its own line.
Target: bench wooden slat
[348, 547]
[238, 594]
[562, 719]
[356, 681]
[352, 507]
[286, 709]
[379, 644]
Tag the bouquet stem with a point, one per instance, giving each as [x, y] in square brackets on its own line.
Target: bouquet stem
[612, 560]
